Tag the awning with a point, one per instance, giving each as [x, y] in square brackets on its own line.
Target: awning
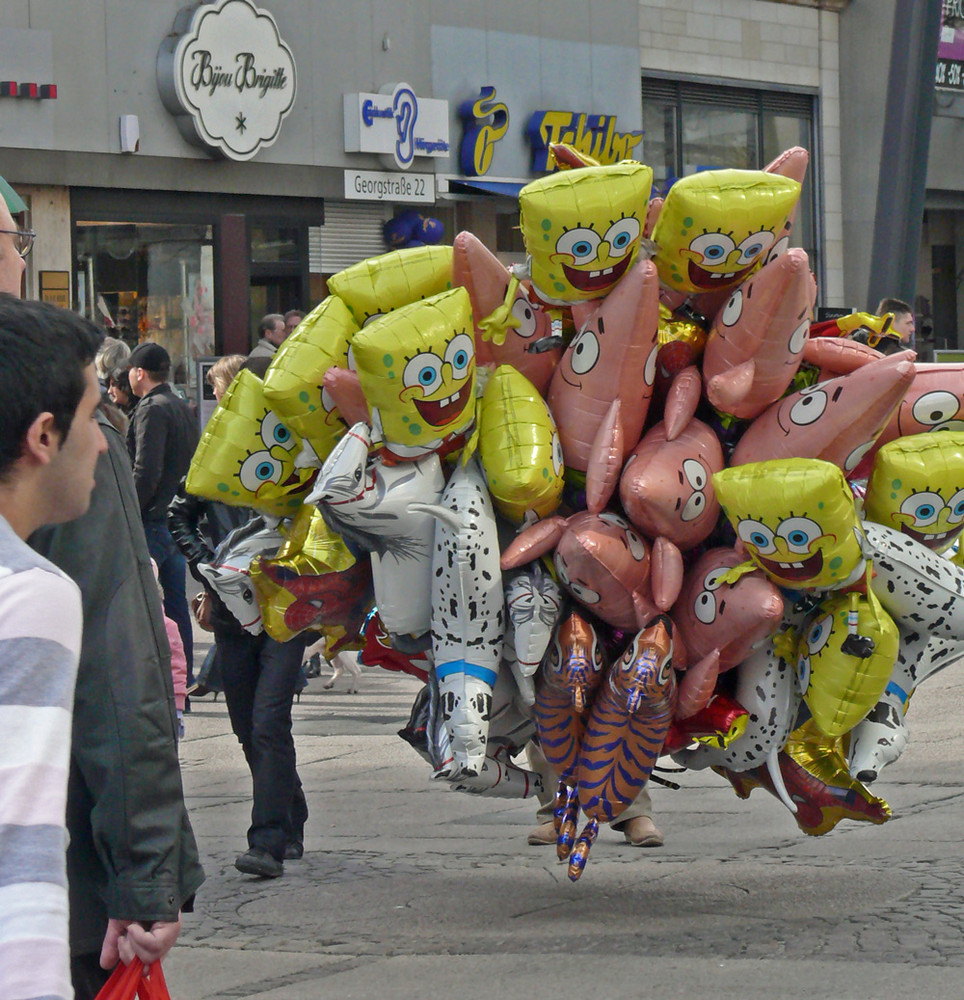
[476, 185]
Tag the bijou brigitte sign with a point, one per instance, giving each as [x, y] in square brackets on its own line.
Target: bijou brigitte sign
[227, 77]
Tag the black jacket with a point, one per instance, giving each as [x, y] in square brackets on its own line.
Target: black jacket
[162, 438]
[198, 527]
[132, 853]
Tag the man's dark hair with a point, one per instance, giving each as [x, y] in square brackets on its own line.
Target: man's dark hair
[294, 312]
[895, 306]
[269, 322]
[43, 353]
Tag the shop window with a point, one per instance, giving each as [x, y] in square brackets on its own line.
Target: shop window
[691, 126]
[144, 281]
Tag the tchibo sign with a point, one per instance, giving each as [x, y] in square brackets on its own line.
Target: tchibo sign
[227, 76]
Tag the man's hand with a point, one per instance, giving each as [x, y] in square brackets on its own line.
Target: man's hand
[126, 940]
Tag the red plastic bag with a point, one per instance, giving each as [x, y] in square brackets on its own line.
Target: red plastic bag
[135, 980]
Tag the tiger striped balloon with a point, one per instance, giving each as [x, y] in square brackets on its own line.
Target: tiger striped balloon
[628, 723]
[569, 675]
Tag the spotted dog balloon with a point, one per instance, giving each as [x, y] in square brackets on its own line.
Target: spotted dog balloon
[468, 619]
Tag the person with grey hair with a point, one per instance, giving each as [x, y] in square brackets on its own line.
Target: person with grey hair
[272, 332]
[111, 356]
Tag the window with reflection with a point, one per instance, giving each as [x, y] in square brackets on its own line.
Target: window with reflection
[149, 281]
[690, 126]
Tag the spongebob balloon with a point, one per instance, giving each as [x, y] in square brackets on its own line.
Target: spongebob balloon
[416, 366]
[838, 687]
[917, 487]
[519, 446]
[377, 285]
[246, 456]
[796, 519]
[716, 226]
[293, 382]
[582, 229]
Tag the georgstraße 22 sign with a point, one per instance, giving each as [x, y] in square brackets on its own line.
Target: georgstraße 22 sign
[227, 77]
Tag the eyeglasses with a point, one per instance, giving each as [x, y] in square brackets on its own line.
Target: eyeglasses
[23, 242]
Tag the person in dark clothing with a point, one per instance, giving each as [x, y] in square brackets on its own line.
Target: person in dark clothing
[132, 856]
[162, 437]
[259, 676]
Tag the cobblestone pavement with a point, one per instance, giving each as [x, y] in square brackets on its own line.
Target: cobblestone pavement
[408, 889]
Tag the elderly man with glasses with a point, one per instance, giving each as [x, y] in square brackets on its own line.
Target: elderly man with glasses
[15, 243]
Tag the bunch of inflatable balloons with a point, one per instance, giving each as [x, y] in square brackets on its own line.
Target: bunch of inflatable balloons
[621, 501]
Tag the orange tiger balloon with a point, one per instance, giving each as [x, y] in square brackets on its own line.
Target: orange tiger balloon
[569, 675]
[628, 723]
[624, 735]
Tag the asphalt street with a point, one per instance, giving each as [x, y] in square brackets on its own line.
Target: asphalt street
[408, 889]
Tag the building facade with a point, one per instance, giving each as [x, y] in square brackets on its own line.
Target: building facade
[189, 168]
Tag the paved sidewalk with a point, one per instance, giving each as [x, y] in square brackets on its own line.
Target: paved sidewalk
[410, 890]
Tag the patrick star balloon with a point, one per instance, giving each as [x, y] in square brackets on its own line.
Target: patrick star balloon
[666, 487]
[730, 618]
[509, 330]
[757, 339]
[604, 565]
[613, 356]
[837, 421]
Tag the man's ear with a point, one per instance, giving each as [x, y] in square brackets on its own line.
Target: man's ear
[42, 440]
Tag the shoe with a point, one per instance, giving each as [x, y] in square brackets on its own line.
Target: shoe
[543, 836]
[257, 861]
[198, 690]
[313, 666]
[295, 851]
[641, 831]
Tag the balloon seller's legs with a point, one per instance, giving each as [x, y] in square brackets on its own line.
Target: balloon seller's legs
[238, 659]
[642, 805]
[279, 811]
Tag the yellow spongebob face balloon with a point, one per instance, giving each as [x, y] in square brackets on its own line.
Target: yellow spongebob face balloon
[246, 456]
[841, 689]
[519, 446]
[716, 226]
[797, 520]
[417, 369]
[292, 384]
[380, 284]
[917, 487]
[582, 228]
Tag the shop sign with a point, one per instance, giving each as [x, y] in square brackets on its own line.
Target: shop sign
[378, 185]
[486, 120]
[227, 76]
[950, 48]
[396, 124]
[594, 135]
